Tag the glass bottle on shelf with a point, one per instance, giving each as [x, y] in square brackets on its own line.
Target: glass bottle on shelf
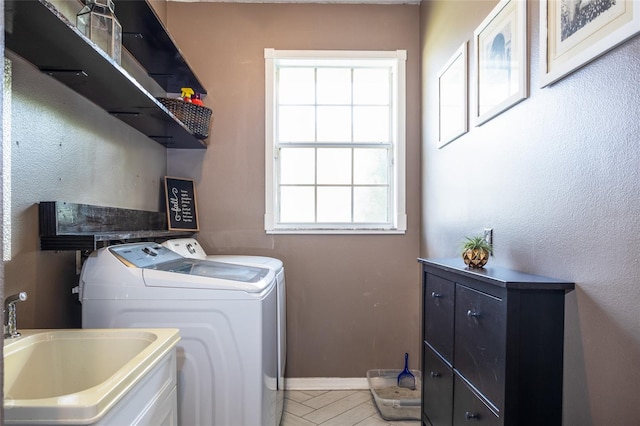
[97, 20]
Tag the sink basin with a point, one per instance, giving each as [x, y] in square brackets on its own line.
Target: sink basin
[77, 374]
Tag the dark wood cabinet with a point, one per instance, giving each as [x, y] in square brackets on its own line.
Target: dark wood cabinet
[470, 408]
[492, 346]
[438, 314]
[437, 382]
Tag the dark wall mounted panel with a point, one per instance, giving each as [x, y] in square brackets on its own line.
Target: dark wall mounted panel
[70, 226]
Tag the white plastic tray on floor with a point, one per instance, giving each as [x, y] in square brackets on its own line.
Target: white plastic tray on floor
[394, 403]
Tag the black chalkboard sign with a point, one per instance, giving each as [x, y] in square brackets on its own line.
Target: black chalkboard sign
[182, 212]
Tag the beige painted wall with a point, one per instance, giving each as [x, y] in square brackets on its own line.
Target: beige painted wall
[352, 300]
[559, 186]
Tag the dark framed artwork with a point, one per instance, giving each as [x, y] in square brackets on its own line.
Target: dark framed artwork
[182, 209]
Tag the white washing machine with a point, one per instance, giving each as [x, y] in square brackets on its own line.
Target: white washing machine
[189, 247]
[226, 313]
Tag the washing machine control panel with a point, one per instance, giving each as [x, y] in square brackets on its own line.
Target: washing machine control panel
[143, 255]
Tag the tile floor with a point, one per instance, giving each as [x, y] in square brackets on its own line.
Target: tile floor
[334, 408]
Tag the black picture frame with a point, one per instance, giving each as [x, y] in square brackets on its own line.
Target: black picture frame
[181, 202]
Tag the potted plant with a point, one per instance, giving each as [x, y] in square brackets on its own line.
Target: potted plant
[476, 251]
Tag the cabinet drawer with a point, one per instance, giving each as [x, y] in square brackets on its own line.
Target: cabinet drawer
[437, 389]
[470, 409]
[438, 314]
[480, 322]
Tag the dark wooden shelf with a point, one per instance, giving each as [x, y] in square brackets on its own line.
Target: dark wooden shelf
[146, 38]
[70, 226]
[35, 30]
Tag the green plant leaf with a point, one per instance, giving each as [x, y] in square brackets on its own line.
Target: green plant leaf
[476, 242]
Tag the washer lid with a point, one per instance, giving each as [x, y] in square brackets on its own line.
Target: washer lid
[210, 269]
[162, 267]
[257, 261]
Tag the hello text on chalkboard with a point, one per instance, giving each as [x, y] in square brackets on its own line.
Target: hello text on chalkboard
[182, 212]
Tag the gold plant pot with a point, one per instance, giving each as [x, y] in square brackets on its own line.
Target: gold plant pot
[475, 258]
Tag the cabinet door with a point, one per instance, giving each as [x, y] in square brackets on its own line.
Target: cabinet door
[437, 389]
[480, 324]
[439, 294]
[469, 409]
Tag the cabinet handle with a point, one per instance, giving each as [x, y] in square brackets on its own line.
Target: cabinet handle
[471, 416]
[473, 314]
[435, 374]
[436, 295]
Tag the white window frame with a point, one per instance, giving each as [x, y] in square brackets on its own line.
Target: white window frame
[398, 223]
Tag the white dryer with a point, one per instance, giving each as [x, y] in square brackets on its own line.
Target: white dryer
[226, 313]
[189, 247]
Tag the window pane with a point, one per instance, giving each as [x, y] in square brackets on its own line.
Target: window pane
[296, 124]
[297, 204]
[334, 134]
[296, 86]
[334, 204]
[370, 166]
[371, 86]
[297, 166]
[334, 124]
[334, 166]
[371, 124]
[370, 204]
[334, 86]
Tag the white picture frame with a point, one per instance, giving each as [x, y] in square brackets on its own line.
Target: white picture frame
[501, 64]
[574, 33]
[453, 97]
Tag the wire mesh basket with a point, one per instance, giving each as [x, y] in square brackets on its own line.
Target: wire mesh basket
[195, 117]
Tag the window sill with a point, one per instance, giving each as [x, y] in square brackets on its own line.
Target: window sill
[335, 231]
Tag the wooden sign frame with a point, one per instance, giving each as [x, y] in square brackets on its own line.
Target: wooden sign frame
[182, 206]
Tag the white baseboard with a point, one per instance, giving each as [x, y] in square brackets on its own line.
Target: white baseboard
[326, 383]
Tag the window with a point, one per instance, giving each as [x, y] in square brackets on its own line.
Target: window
[335, 141]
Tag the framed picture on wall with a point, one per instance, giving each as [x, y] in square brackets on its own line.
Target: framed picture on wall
[182, 208]
[575, 32]
[501, 60]
[453, 97]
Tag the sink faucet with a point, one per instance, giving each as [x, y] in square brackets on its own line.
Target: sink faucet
[10, 317]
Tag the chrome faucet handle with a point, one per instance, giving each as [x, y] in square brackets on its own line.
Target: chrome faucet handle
[19, 297]
[10, 312]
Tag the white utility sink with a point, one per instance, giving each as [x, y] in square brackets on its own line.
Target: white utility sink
[78, 376]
